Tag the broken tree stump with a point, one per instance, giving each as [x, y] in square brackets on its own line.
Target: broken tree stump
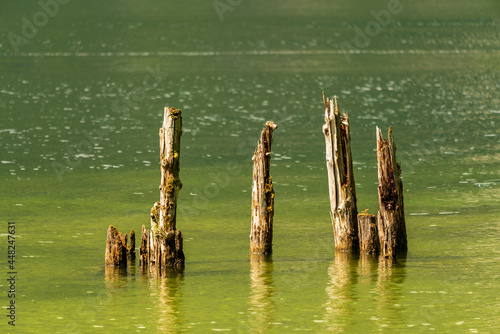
[340, 177]
[261, 233]
[161, 246]
[391, 216]
[368, 233]
[117, 250]
[131, 248]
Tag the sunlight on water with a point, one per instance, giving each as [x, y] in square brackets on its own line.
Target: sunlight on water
[82, 102]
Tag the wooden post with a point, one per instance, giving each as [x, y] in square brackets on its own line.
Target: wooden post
[391, 216]
[368, 233]
[162, 245]
[261, 234]
[340, 177]
[117, 250]
[144, 248]
[131, 248]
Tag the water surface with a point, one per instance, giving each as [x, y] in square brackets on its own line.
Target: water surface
[81, 104]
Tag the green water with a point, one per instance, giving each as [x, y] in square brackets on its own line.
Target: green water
[81, 103]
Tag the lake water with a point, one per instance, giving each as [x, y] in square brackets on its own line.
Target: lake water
[83, 86]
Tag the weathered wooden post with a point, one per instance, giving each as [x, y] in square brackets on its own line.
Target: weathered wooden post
[368, 233]
[391, 216]
[162, 245]
[117, 250]
[340, 177]
[261, 234]
[131, 248]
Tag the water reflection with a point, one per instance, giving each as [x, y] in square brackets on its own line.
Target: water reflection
[340, 291]
[166, 296]
[262, 289]
[391, 276]
[161, 272]
[367, 281]
[115, 274]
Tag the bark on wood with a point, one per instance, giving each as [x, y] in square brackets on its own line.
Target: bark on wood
[162, 245]
[368, 234]
[391, 217]
[131, 248]
[117, 250]
[340, 177]
[144, 248]
[261, 234]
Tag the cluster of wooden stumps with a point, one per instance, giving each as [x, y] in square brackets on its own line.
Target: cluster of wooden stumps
[161, 246]
[384, 233]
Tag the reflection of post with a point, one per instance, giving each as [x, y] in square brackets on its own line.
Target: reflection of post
[391, 275]
[367, 265]
[262, 290]
[166, 291]
[339, 305]
[114, 274]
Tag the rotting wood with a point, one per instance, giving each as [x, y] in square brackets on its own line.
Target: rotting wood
[144, 248]
[261, 233]
[340, 177]
[391, 217]
[131, 248]
[161, 246]
[368, 233]
[117, 250]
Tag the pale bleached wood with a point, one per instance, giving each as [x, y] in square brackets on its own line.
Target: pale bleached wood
[341, 183]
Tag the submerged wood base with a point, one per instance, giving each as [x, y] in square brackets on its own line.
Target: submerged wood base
[161, 250]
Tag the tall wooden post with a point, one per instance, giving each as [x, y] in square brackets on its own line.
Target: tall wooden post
[391, 216]
[261, 234]
[162, 245]
[340, 177]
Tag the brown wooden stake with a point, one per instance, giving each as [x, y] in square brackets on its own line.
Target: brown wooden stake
[131, 248]
[162, 245]
[117, 250]
[340, 177]
[144, 248]
[261, 234]
[391, 216]
[368, 233]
